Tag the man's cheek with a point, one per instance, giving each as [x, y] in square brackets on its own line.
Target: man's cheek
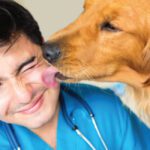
[35, 76]
[4, 107]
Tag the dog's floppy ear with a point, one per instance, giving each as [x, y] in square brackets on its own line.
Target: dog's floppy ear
[146, 57]
[146, 62]
[88, 3]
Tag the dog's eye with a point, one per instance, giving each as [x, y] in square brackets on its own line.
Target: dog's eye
[109, 27]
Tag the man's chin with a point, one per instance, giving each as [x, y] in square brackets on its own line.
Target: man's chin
[36, 124]
[44, 119]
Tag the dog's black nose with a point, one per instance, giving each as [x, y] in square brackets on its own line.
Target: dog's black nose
[51, 52]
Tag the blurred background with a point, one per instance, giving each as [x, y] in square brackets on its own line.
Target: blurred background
[53, 15]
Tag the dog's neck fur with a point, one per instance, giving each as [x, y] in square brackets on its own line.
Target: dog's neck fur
[128, 76]
[138, 100]
[136, 96]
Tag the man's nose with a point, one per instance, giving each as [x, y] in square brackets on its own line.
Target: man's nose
[51, 52]
[23, 92]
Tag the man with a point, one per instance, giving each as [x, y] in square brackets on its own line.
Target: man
[38, 114]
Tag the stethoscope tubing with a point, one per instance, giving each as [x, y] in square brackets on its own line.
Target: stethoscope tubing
[74, 126]
[11, 136]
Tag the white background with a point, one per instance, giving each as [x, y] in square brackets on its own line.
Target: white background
[53, 15]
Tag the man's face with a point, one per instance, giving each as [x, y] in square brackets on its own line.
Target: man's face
[24, 99]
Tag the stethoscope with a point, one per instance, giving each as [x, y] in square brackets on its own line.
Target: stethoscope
[11, 136]
[75, 127]
[15, 145]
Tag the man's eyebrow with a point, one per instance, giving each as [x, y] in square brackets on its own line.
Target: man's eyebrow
[26, 62]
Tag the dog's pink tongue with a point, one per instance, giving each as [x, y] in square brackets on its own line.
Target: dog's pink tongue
[48, 77]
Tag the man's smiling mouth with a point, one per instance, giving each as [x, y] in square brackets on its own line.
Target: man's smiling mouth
[34, 106]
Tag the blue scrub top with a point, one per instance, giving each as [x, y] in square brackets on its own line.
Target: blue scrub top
[120, 129]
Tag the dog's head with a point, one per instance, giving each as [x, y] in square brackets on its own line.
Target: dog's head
[110, 41]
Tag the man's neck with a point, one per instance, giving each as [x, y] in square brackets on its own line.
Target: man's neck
[48, 132]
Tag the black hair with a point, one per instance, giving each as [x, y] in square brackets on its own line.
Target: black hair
[16, 20]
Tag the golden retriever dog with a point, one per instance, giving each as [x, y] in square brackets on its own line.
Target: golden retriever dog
[109, 42]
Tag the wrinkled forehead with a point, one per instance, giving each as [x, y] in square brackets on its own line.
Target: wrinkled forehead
[6, 46]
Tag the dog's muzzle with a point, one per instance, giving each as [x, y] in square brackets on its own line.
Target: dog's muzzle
[51, 52]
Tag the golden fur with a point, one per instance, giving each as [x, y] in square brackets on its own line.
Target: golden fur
[110, 41]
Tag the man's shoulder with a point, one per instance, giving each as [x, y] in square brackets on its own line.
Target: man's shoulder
[92, 94]
[100, 100]
[108, 110]
[3, 137]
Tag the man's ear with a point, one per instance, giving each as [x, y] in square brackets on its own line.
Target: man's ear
[88, 3]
